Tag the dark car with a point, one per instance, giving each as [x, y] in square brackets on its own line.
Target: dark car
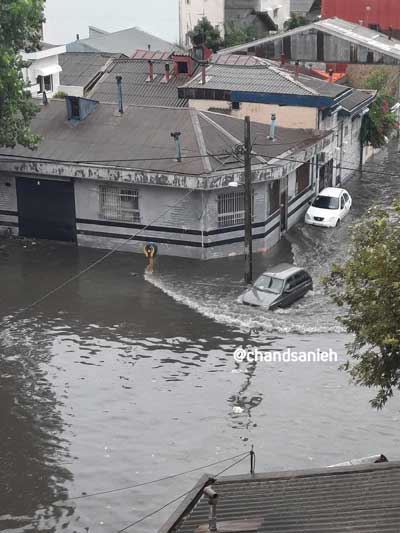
[279, 286]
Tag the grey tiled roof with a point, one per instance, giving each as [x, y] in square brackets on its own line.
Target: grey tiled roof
[356, 99]
[145, 133]
[255, 78]
[362, 499]
[135, 89]
[264, 79]
[79, 68]
[301, 6]
[123, 42]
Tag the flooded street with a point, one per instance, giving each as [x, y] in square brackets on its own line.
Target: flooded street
[124, 377]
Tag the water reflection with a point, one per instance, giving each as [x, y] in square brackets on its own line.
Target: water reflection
[32, 446]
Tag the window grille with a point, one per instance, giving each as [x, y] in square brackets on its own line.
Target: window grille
[119, 204]
[231, 210]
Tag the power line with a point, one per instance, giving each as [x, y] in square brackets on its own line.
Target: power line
[177, 498]
[172, 476]
[95, 263]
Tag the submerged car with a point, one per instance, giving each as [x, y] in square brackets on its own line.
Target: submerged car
[329, 208]
[280, 286]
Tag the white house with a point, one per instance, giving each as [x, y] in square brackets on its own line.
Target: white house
[43, 73]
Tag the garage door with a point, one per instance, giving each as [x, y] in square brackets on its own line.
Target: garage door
[46, 209]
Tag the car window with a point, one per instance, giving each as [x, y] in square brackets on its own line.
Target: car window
[290, 283]
[346, 196]
[326, 202]
[269, 284]
[342, 203]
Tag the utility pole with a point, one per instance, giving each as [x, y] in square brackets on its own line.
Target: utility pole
[248, 204]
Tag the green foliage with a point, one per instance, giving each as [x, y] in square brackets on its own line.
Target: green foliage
[212, 35]
[60, 94]
[367, 287]
[294, 22]
[20, 29]
[236, 34]
[380, 121]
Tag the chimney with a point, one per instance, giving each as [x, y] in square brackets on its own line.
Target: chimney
[390, 34]
[177, 137]
[167, 75]
[77, 36]
[212, 502]
[203, 73]
[297, 71]
[120, 99]
[330, 72]
[150, 77]
[272, 127]
[283, 59]
[149, 47]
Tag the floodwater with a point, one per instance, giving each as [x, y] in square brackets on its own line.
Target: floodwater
[122, 377]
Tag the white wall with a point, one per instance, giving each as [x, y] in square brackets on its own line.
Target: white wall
[190, 11]
[45, 59]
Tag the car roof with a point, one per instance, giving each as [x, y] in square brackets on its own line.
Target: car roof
[283, 270]
[334, 192]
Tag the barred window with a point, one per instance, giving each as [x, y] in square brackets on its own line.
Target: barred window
[231, 209]
[119, 204]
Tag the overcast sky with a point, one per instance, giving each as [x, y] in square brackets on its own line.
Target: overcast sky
[67, 18]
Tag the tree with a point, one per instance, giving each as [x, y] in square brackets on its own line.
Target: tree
[367, 287]
[380, 121]
[20, 29]
[236, 34]
[294, 22]
[211, 34]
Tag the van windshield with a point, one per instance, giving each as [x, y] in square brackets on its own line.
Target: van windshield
[326, 202]
[269, 284]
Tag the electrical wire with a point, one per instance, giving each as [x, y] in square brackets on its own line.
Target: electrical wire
[94, 264]
[140, 520]
[172, 476]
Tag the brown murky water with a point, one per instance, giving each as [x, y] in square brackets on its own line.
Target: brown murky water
[122, 378]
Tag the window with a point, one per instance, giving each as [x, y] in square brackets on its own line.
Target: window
[236, 106]
[45, 83]
[276, 11]
[119, 204]
[342, 203]
[231, 209]
[302, 177]
[273, 199]
[182, 67]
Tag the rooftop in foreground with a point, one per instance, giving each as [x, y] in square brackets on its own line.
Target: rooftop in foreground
[356, 499]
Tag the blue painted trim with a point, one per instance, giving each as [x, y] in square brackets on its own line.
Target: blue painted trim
[282, 99]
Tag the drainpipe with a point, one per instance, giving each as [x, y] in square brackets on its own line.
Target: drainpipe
[120, 99]
[212, 502]
[177, 137]
[297, 72]
[167, 73]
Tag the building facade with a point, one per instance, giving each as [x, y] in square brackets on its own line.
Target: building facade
[191, 11]
[379, 15]
[188, 208]
[43, 73]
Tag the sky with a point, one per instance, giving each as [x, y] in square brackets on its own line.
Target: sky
[66, 18]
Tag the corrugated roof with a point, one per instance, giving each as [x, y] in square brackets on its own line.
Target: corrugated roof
[145, 133]
[342, 29]
[123, 42]
[79, 68]
[256, 78]
[135, 89]
[264, 78]
[332, 500]
[356, 99]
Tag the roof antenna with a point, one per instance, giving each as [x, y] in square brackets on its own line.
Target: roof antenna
[252, 460]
